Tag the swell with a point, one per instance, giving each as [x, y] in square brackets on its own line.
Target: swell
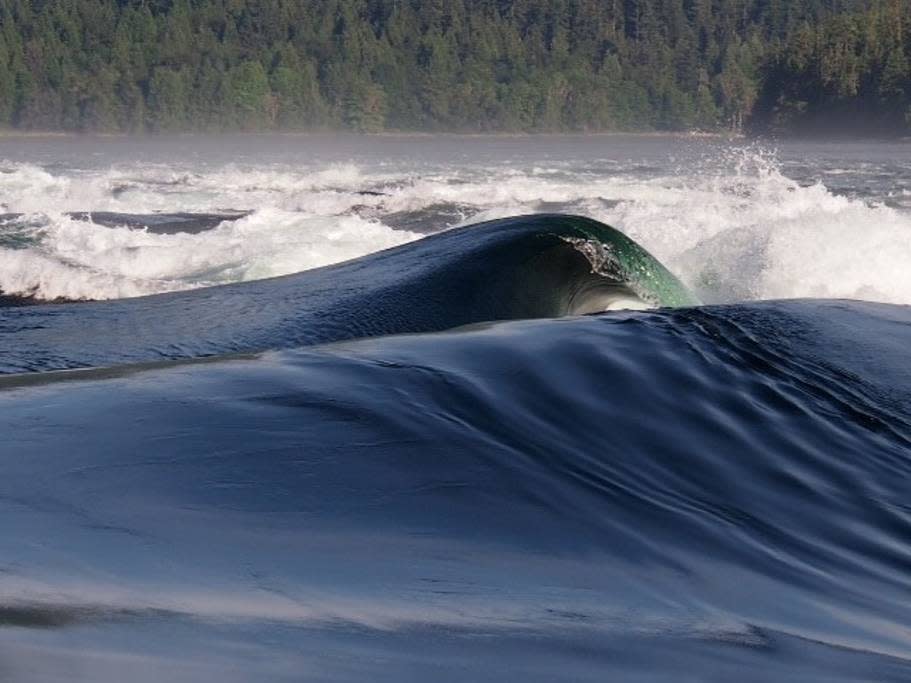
[525, 267]
[719, 480]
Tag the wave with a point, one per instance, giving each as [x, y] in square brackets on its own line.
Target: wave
[723, 485]
[732, 224]
[525, 267]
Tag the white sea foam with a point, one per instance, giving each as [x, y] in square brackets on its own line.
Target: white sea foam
[759, 235]
[76, 259]
[732, 224]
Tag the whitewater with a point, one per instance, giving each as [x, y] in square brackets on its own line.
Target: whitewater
[737, 221]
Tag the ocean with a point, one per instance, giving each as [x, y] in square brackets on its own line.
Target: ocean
[541, 408]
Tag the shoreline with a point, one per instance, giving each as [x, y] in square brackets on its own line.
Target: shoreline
[13, 134]
[23, 135]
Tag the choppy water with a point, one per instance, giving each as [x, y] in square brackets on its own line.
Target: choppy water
[735, 221]
[237, 485]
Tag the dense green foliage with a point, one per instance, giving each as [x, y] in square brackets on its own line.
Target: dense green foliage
[468, 65]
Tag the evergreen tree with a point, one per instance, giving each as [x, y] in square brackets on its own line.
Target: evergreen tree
[470, 65]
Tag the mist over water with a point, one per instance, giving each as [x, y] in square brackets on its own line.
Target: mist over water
[736, 221]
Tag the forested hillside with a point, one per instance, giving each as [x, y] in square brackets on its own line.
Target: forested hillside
[461, 65]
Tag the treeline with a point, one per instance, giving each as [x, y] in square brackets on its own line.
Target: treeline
[461, 65]
[849, 73]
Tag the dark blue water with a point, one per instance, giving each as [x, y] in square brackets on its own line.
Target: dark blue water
[698, 493]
